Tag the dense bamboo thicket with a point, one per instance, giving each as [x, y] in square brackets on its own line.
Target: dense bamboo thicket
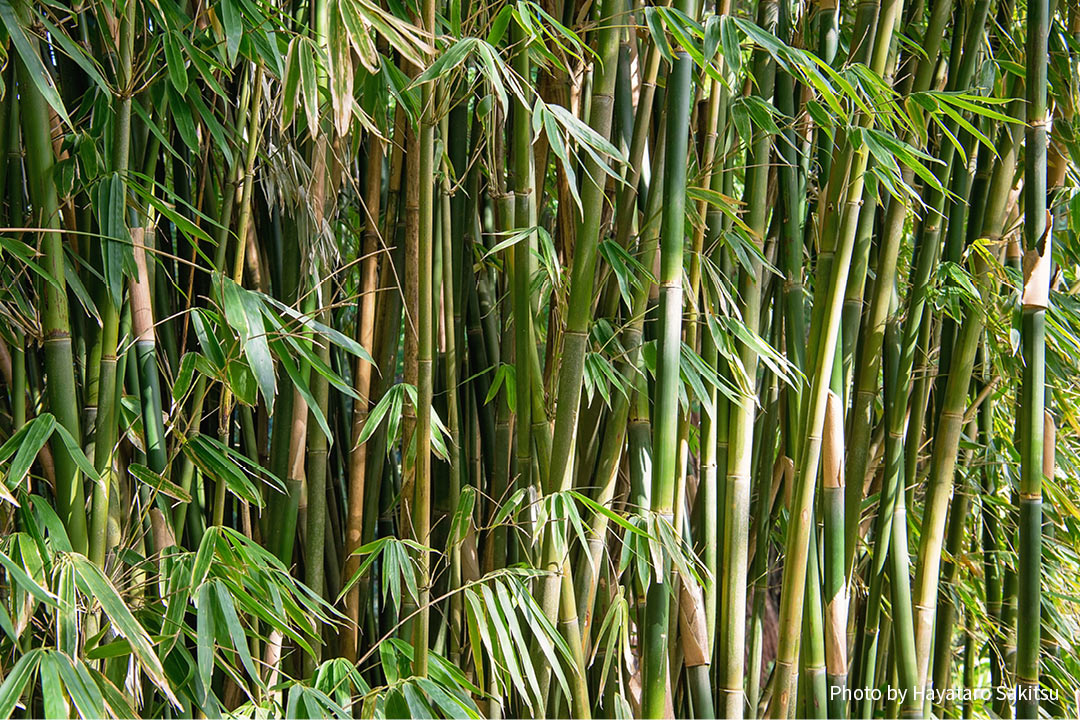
[548, 358]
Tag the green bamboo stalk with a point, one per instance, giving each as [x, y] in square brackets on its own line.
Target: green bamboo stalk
[655, 656]
[142, 319]
[947, 439]
[871, 642]
[589, 566]
[812, 656]
[315, 473]
[769, 477]
[421, 507]
[860, 423]
[105, 428]
[969, 659]
[496, 548]
[453, 413]
[59, 361]
[948, 429]
[947, 610]
[833, 263]
[989, 539]
[713, 427]
[834, 584]
[579, 312]
[18, 382]
[740, 437]
[1038, 230]
[575, 335]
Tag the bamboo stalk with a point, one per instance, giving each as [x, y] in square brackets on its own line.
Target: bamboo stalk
[59, 362]
[315, 475]
[1038, 231]
[738, 471]
[421, 508]
[824, 329]
[362, 385]
[655, 657]
[105, 428]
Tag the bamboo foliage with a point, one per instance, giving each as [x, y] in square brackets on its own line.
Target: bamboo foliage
[558, 359]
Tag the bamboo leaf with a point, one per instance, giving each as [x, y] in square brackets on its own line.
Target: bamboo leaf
[16, 679]
[28, 440]
[86, 696]
[236, 631]
[158, 483]
[233, 23]
[308, 86]
[174, 60]
[28, 53]
[205, 634]
[26, 255]
[52, 692]
[94, 584]
[244, 313]
[27, 583]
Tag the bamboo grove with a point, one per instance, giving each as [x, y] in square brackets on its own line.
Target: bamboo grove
[549, 358]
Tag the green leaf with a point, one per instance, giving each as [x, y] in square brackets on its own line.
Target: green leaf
[66, 623]
[222, 463]
[609, 514]
[308, 87]
[359, 36]
[84, 692]
[712, 37]
[28, 53]
[450, 706]
[52, 692]
[76, 52]
[244, 313]
[183, 120]
[462, 519]
[158, 483]
[114, 700]
[499, 25]
[233, 22]
[93, 583]
[16, 680]
[117, 257]
[184, 375]
[7, 626]
[291, 82]
[236, 630]
[729, 39]
[418, 706]
[26, 255]
[656, 28]
[507, 652]
[174, 60]
[29, 440]
[340, 339]
[76, 452]
[301, 385]
[208, 340]
[205, 632]
[389, 405]
[27, 583]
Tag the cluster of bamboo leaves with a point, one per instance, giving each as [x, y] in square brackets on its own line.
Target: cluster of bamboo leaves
[407, 358]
